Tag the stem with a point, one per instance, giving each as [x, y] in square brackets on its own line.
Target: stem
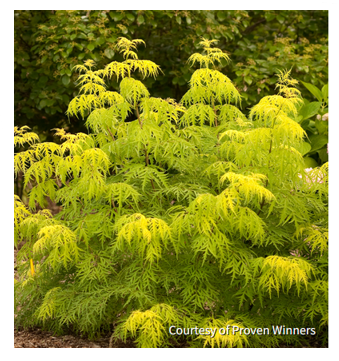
[146, 156]
[250, 28]
[138, 115]
[147, 164]
[215, 112]
[114, 206]
[262, 203]
[146, 153]
[111, 134]
[269, 152]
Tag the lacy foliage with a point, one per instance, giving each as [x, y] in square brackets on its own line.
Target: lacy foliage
[191, 214]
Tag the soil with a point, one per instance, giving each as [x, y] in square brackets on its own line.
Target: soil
[36, 338]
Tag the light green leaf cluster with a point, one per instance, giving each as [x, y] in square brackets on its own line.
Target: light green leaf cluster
[281, 272]
[21, 136]
[228, 340]
[210, 56]
[59, 242]
[154, 321]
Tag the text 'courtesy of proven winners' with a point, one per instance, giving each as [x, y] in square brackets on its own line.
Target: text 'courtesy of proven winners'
[236, 330]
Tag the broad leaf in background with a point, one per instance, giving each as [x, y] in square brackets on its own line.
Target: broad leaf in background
[309, 110]
[314, 90]
[318, 141]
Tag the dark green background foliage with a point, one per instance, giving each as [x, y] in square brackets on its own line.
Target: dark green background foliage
[49, 43]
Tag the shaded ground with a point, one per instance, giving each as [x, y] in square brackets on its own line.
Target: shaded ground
[36, 338]
[41, 339]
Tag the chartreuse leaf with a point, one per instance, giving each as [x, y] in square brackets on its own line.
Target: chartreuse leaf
[310, 162]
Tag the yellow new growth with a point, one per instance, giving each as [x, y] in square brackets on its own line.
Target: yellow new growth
[228, 340]
[21, 137]
[212, 54]
[93, 88]
[316, 238]
[48, 307]
[146, 236]
[60, 243]
[248, 186]
[149, 325]
[283, 104]
[282, 272]
[126, 47]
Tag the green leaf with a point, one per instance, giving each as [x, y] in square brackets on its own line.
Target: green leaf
[281, 19]
[91, 46]
[304, 148]
[322, 126]
[178, 19]
[310, 162]
[324, 91]
[81, 56]
[314, 90]
[130, 17]
[248, 80]
[82, 36]
[323, 155]
[222, 15]
[140, 19]
[112, 39]
[309, 110]
[43, 103]
[269, 16]
[43, 59]
[95, 56]
[66, 80]
[318, 141]
[188, 20]
[115, 15]
[109, 53]
[101, 40]
[299, 118]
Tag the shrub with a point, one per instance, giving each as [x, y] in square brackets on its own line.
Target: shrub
[313, 117]
[191, 215]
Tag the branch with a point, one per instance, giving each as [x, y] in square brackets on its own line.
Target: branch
[252, 27]
[111, 134]
[138, 115]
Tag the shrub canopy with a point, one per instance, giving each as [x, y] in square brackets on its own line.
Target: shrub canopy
[191, 214]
